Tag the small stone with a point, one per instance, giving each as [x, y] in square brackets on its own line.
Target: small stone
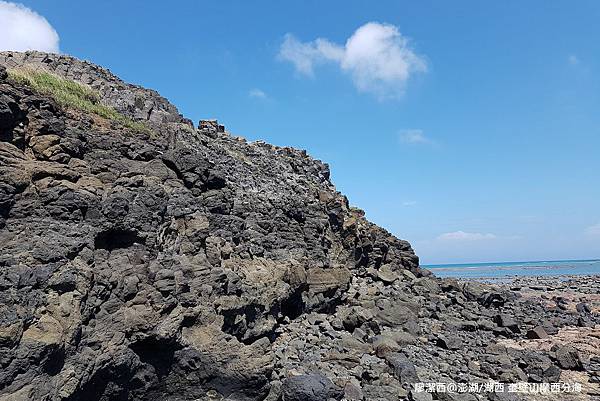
[274, 391]
[485, 324]
[359, 333]
[430, 285]
[386, 274]
[396, 315]
[451, 343]
[549, 327]
[568, 358]
[473, 366]
[403, 338]
[583, 308]
[505, 320]
[312, 387]
[420, 396]
[537, 332]
[585, 321]
[10, 335]
[409, 275]
[213, 395]
[404, 369]
[352, 392]
[384, 345]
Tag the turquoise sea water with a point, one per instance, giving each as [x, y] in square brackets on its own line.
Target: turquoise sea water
[510, 269]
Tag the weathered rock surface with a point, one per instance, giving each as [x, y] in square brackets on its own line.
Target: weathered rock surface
[186, 264]
[131, 100]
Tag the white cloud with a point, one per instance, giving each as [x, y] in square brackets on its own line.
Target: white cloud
[573, 60]
[377, 57]
[593, 231]
[305, 55]
[257, 93]
[414, 136]
[465, 236]
[23, 29]
[409, 203]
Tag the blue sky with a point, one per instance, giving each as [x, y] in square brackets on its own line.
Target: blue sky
[474, 133]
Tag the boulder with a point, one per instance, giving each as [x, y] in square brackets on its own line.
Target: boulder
[451, 342]
[507, 321]
[536, 333]
[404, 370]
[383, 344]
[583, 308]
[568, 358]
[539, 367]
[387, 274]
[320, 280]
[353, 392]
[396, 315]
[354, 317]
[311, 387]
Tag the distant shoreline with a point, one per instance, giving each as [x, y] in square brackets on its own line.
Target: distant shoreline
[517, 269]
[436, 265]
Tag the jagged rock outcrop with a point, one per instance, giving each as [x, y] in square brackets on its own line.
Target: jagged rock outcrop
[187, 264]
[131, 100]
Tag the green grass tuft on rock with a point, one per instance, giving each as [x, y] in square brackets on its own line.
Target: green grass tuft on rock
[71, 94]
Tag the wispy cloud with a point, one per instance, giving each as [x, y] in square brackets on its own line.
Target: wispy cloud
[414, 136]
[377, 56]
[573, 60]
[23, 29]
[593, 231]
[304, 56]
[257, 93]
[465, 236]
[409, 203]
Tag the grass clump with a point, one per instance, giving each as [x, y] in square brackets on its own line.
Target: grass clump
[71, 94]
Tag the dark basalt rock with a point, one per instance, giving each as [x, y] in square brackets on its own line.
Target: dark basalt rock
[452, 343]
[568, 358]
[313, 387]
[537, 332]
[187, 264]
[403, 368]
[507, 321]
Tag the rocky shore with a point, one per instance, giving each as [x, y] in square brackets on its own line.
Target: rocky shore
[184, 263]
[538, 329]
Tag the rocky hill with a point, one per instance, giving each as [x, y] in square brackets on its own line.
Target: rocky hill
[182, 263]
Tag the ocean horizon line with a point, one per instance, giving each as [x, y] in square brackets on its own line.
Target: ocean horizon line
[438, 265]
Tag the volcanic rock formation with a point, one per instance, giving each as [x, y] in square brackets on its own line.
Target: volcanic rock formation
[183, 263]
